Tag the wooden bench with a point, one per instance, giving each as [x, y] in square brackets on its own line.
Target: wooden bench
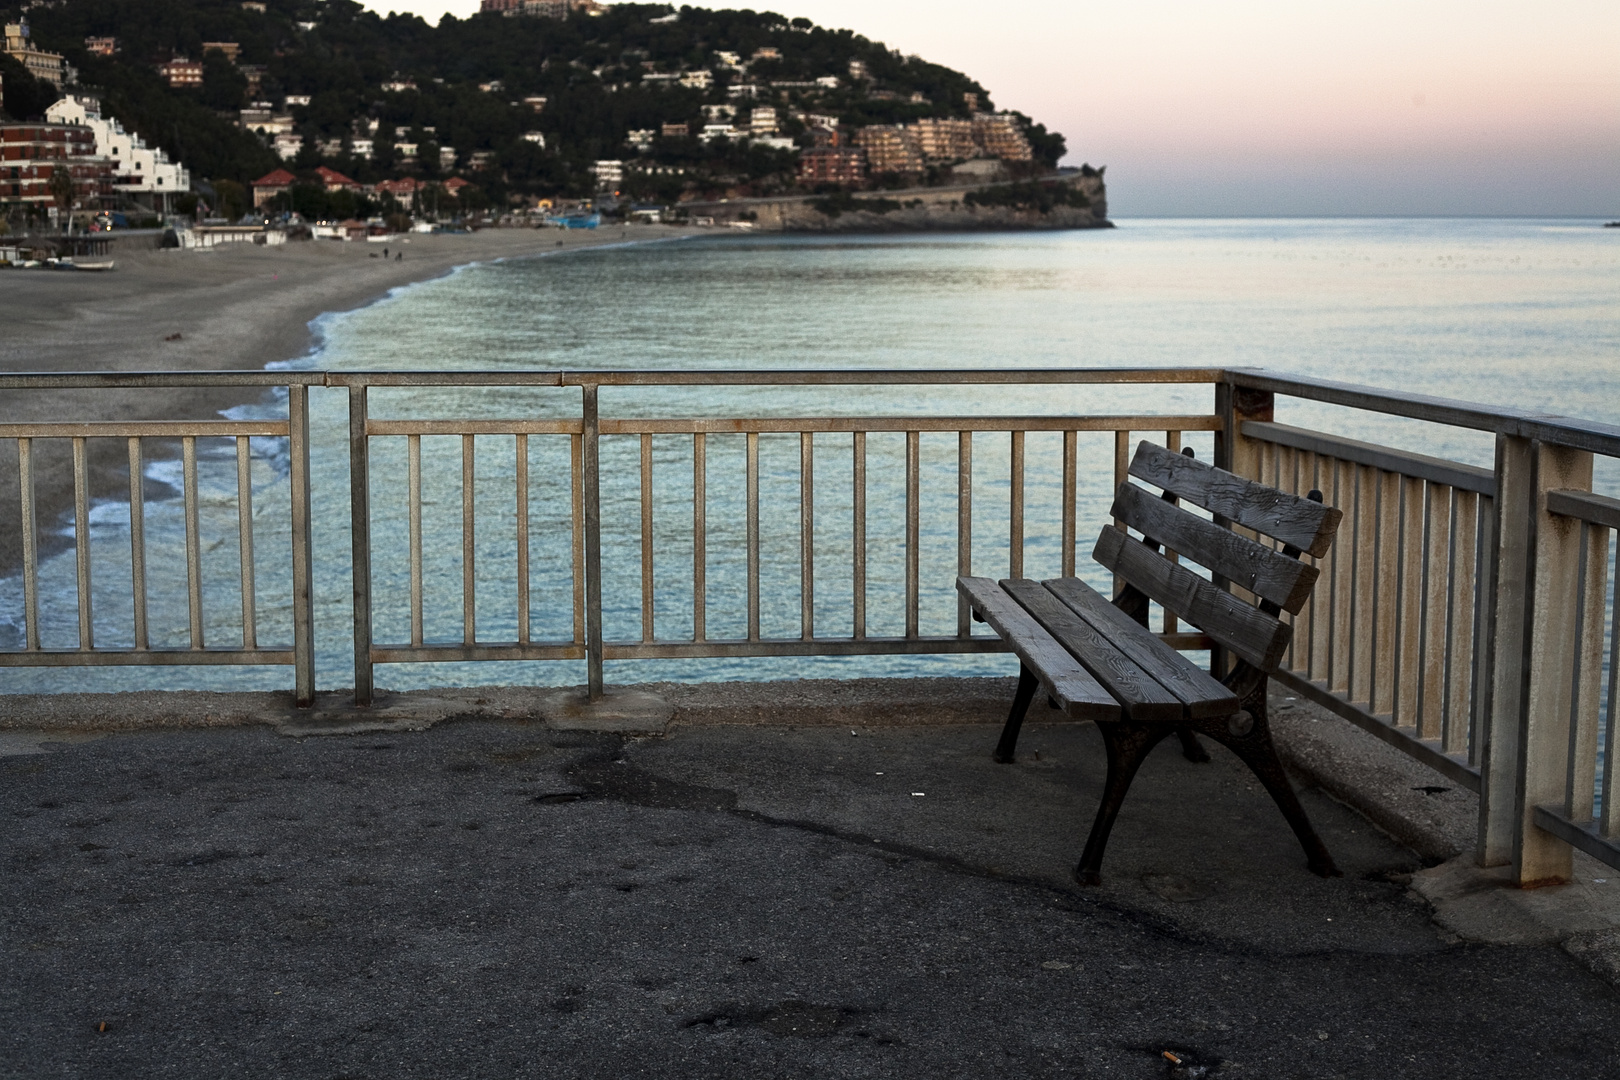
[1097, 660]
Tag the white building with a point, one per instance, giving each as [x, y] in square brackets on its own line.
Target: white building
[288, 145]
[609, 175]
[697, 80]
[145, 173]
[536, 137]
[762, 121]
[363, 147]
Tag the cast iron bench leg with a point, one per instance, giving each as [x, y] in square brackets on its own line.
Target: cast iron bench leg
[1255, 749]
[1191, 748]
[1129, 744]
[1015, 719]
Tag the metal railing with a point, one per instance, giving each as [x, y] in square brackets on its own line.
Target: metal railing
[1461, 614]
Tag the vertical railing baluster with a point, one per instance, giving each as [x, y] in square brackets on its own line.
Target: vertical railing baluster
[647, 611]
[413, 472]
[700, 537]
[1071, 484]
[576, 472]
[30, 542]
[469, 580]
[1484, 579]
[303, 571]
[753, 535]
[1436, 572]
[1586, 674]
[1015, 515]
[1321, 655]
[1364, 563]
[1609, 819]
[360, 539]
[859, 534]
[1343, 555]
[807, 535]
[591, 470]
[521, 463]
[137, 542]
[81, 544]
[1386, 594]
[1460, 626]
[964, 527]
[913, 530]
[1122, 461]
[1172, 442]
[188, 455]
[244, 539]
[1408, 675]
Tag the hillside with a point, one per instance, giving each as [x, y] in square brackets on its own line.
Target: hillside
[522, 106]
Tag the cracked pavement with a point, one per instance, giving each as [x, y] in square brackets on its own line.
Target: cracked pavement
[496, 899]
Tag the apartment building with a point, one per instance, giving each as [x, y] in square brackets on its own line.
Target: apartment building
[181, 72]
[101, 46]
[30, 154]
[890, 148]
[833, 165]
[943, 140]
[140, 172]
[1001, 135]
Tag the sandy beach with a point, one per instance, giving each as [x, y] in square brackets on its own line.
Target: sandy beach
[232, 307]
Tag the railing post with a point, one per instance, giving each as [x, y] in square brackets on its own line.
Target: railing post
[360, 526]
[1505, 629]
[1550, 639]
[1237, 454]
[593, 543]
[302, 588]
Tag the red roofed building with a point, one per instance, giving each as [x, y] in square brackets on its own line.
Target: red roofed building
[399, 189]
[336, 181]
[270, 185]
[454, 185]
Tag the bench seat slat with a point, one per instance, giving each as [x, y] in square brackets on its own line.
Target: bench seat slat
[1061, 676]
[1251, 633]
[1138, 692]
[1267, 573]
[1204, 695]
[1303, 523]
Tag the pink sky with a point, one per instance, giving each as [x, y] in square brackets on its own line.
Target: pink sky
[1265, 107]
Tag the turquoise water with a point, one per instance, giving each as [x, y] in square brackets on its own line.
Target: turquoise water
[1522, 313]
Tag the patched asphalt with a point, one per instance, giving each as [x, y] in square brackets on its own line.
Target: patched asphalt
[493, 899]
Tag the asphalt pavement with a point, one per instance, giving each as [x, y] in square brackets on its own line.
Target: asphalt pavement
[495, 899]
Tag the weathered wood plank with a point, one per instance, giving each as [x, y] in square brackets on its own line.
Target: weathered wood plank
[1247, 631]
[1138, 692]
[1203, 694]
[1267, 573]
[1307, 525]
[1061, 676]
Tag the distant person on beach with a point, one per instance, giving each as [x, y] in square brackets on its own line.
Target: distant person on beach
[400, 257]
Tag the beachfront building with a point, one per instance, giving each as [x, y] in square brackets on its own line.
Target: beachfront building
[332, 180]
[52, 67]
[609, 175]
[31, 154]
[142, 174]
[269, 186]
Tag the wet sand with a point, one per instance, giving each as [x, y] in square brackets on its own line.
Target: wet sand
[237, 307]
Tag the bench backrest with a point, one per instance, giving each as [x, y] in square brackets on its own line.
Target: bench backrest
[1278, 578]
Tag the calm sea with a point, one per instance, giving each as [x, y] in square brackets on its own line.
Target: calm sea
[1523, 313]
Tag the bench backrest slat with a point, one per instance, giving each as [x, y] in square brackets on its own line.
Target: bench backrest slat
[1263, 571]
[1306, 525]
[1249, 632]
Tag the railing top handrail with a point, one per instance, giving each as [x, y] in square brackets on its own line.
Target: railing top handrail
[1571, 431]
[1593, 435]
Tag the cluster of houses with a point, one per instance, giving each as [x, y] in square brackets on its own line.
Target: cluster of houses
[109, 168]
[267, 188]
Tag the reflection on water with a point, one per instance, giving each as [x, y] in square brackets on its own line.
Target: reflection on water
[1516, 313]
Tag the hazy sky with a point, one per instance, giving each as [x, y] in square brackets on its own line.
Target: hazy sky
[1266, 107]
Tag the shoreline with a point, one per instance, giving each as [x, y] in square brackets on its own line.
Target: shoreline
[238, 307]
